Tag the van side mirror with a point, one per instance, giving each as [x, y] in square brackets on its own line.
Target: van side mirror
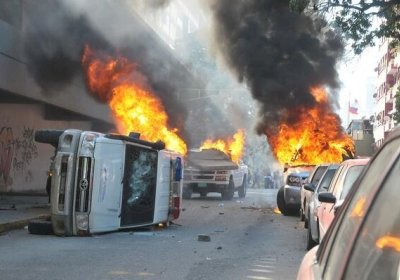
[327, 197]
[309, 187]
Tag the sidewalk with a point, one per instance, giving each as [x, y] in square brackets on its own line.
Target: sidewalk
[16, 211]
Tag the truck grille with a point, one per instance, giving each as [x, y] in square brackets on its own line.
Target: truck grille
[83, 184]
[63, 182]
[199, 175]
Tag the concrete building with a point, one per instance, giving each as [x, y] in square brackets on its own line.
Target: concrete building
[361, 132]
[26, 107]
[388, 84]
[171, 22]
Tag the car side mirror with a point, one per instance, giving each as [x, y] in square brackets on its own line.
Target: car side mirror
[326, 197]
[337, 206]
[309, 187]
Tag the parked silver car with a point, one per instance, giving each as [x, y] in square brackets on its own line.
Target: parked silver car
[305, 194]
[323, 185]
[363, 241]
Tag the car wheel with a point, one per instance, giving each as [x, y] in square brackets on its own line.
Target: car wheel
[187, 192]
[41, 227]
[243, 188]
[310, 241]
[302, 216]
[280, 201]
[228, 194]
[306, 223]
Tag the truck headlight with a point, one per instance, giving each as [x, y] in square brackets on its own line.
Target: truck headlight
[87, 147]
[82, 221]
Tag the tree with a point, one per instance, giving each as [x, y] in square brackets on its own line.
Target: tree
[396, 115]
[361, 21]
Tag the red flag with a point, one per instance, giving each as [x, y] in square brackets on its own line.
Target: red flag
[353, 108]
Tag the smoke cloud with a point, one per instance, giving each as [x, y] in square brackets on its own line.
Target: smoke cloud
[56, 32]
[278, 53]
[155, 4]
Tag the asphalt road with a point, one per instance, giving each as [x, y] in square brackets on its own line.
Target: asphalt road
[247, 241]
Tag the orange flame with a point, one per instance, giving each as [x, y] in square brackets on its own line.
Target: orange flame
[232, 146]
[134, 107]
[316, 137]
[277, 211]
[388, 241]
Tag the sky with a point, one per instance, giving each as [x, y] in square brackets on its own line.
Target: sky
[359, 81]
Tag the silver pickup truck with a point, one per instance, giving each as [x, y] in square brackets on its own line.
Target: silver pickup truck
[210, 170]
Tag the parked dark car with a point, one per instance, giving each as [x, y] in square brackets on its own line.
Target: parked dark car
[288, 196]
[363, 241]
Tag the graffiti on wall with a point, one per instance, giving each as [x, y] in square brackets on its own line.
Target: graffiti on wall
[16, 154]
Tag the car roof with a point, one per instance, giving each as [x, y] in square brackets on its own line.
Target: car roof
[356, 161]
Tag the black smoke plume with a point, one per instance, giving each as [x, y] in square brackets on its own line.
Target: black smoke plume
[57, 31]
[278, 53]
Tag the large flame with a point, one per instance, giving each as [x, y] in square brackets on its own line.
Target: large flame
[231, 146]
[315, 137]
[134, 107]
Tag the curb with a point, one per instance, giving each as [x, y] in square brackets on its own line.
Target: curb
[19, 224]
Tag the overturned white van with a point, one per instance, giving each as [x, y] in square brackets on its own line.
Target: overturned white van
[107, 182]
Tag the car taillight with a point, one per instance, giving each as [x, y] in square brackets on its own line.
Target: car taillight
[176, 208]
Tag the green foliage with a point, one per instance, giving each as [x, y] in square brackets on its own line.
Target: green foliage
[396, 115]
[361, 21]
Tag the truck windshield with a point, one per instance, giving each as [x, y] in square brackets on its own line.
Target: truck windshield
[139, 186]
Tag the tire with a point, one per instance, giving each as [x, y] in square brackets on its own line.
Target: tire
[243, 188]
[187, 192]
[228, 194]
[306, 225]
[280, 201]
[41, 227]
[302, 216]
[48, 136]
[310, 241]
